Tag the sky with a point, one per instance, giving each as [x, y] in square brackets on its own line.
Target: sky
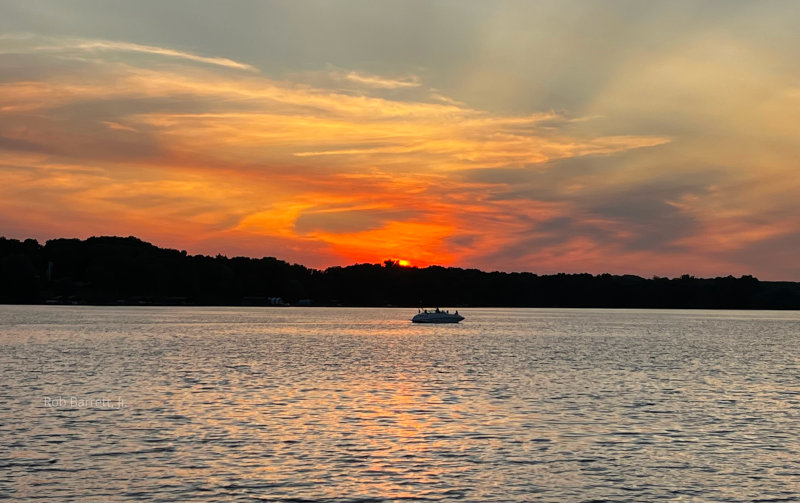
[628, 137]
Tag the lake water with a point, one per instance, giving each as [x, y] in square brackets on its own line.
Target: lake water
[315, 404]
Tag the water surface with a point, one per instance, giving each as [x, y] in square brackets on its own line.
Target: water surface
[314, 404]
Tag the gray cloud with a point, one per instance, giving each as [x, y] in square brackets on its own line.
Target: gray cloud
[645, 212]
[629, 215]
[773, 258]
[78, 137]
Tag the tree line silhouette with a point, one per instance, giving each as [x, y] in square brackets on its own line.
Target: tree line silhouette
[115, 270]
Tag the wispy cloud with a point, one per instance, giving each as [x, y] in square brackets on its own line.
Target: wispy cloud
[383, 82]
[30, 43]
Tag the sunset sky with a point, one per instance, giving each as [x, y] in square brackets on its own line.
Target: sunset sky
[642, 137]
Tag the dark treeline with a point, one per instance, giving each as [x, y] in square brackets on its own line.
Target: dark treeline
[112, 270]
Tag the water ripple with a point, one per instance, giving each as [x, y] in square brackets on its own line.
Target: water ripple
[341, 405]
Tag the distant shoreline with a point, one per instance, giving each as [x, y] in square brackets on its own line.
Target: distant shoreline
[115, 271]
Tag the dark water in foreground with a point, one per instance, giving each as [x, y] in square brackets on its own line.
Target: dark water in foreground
[287, 404]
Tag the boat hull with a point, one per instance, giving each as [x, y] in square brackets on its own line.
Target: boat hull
[437, 318]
